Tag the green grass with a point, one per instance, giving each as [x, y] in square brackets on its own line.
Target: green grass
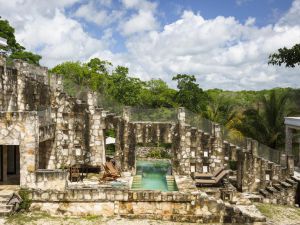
[34, 217]
[279, 213]
[27, 218]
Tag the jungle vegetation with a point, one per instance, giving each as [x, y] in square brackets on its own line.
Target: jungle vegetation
[255, 114]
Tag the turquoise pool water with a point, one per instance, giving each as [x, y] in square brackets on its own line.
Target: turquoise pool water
[151, 175]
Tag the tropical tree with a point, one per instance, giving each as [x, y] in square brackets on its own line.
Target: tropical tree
[189, 94]
[265, 122]
[14, 49]
[289, 57]
[156, 93]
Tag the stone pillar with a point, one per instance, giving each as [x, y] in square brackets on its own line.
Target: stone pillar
[29, 146]
[299, 153]
[181, 115]
[20, 85]
[125, 150]
[217, 154]
[4, 166]
[254, 148]
[289, 148]
[290, 164]
[96, 134]
[288, 140]
[2, 85]
[126, 113]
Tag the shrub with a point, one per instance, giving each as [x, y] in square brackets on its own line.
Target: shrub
[25, 204]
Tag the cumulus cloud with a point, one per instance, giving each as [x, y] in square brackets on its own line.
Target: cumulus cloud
[91, 14]
[44, 28]
[140, 22]
[143, 20]
[94, 12]
[140, 5]
[222, 52]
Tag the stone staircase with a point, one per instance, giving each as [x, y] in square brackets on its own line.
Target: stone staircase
[137, 182]
[5, 196]
[280, 193]
[171, 183]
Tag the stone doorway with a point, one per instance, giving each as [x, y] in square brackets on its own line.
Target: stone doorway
[9, 165]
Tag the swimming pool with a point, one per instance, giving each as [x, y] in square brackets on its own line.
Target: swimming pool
[153, 175]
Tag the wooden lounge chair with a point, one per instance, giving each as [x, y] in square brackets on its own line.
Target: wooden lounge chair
[208, 175]
[213, 181]
[111, 173]
[112, 170]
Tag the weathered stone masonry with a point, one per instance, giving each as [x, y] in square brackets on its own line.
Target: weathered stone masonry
[54, 130]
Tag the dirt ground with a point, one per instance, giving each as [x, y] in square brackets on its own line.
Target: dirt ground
[276, 215]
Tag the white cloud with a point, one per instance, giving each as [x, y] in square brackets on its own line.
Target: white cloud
[45, 29]
[292, 18]
[222, 52]
[140, 22]
[91, 14]
[140, 5]
[250, 21]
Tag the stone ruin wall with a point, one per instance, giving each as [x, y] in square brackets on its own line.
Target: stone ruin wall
[78, 132]
[73, 129]
[18, 128]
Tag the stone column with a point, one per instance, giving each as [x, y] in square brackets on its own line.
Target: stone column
[29, 146]
[288, 140]
[289, 148]
[125, 150]
[4, 166]
[20, 85]
[217, 154]
[96, 134]
[181, 115]
[254, 148]
[2, 85]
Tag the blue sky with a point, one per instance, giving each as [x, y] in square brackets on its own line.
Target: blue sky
[225, 44]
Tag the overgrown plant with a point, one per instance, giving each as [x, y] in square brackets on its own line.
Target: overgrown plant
[26, 201]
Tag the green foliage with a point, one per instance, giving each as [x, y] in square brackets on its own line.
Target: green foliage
[157, 153]
[189, 94]
[233, 165]
[25, 204]
[124, 88]
[289, 57]
[26, 56]
[110, 133]
[265, 122]
[16, 50]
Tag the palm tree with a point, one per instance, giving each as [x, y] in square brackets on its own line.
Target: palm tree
[265, 122]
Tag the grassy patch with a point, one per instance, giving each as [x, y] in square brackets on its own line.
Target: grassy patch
[27, 218]
[92, 218]
[279, 213]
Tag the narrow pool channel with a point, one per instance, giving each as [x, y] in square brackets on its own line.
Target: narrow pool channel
[153, 175]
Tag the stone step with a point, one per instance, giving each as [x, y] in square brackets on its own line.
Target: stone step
[278, 187]
[295, 179]
[291, 181]
[6, 207]
[264, 193]
[5, 213]
[285, 184]
[272, 190]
